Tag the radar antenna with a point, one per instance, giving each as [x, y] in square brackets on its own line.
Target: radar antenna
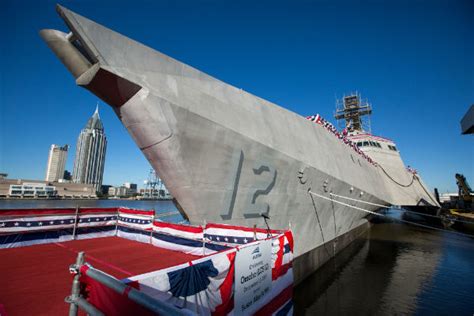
[352, 110]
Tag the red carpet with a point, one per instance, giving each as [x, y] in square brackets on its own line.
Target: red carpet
[35, 280]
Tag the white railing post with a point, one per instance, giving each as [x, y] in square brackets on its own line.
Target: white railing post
[152, 226]
[75, 223]
[117, 221]
[204, 238]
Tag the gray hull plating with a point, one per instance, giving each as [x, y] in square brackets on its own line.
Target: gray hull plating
[224, 154]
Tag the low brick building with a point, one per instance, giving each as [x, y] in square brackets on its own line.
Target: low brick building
[21, 188]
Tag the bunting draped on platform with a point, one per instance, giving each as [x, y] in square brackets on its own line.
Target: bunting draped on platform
[184, 238]
[30, 226]
[205, 286]
[135, 224]
[235, 235]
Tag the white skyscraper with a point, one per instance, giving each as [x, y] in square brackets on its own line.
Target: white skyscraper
[56, 162]
[90, 153]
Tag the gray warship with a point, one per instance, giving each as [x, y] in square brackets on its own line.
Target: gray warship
[231, 157]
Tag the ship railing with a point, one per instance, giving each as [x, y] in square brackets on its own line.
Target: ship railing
[341, 136]
[77, 300]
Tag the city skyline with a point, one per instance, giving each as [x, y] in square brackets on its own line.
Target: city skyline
[417, 74]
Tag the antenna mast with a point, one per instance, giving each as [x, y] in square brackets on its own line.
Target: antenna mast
[352, 109]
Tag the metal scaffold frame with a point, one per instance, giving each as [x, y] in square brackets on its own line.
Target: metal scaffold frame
[354, 112]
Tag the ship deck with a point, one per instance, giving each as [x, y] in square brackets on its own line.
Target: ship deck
[34, 280]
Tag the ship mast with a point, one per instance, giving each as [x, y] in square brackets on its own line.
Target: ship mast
[355, 112]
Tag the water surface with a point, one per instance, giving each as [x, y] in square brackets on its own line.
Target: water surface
[395, 269]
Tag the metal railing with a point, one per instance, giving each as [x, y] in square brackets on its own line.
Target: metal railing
[76, 300]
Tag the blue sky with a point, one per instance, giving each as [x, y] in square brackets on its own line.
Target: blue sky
[413, 60]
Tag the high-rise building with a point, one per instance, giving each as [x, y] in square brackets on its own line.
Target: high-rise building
[132, 188]
[90, 153]
[56, 162]
[67, 175]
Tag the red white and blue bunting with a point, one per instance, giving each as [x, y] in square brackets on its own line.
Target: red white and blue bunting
[20, 228]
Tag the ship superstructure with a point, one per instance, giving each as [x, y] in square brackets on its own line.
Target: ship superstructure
[223, 153]
[355, 113]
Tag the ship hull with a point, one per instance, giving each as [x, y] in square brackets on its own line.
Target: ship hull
[213, 172]
[226, 155]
